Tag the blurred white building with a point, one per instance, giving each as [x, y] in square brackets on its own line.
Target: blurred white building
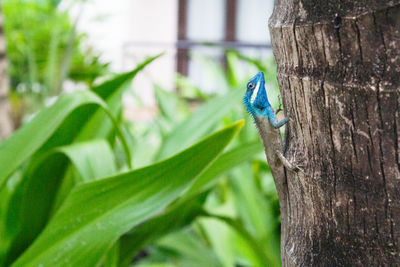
[127, 31]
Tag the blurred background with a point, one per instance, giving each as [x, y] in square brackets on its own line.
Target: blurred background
[112, 37]
[126, 31]
[210, 48]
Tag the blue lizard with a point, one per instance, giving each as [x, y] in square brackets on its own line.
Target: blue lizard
[256, 101]
[257, 104]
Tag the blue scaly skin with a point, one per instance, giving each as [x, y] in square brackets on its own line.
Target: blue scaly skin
[256, 101]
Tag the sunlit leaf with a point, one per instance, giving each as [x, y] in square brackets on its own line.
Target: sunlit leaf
[225, 162]
[110, 207]
[188, 250]
[32, 136]
[23, 218]
[172, 219]
[199, 123]
[111, 92]
[188, 207]
[93, 160]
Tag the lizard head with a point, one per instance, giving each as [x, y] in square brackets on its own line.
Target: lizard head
[255, 98]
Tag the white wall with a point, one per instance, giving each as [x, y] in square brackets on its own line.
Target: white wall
[111, 25]
[252, 20]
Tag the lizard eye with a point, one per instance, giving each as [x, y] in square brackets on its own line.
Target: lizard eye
[251, 86]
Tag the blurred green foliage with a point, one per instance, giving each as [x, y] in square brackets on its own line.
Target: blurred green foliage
[44, 49]
[82, 186]
[239, 222]
[70, 172]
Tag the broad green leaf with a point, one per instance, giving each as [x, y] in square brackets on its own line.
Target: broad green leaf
[107, 88]
[186, 209]
[6, 194]
[188, 250]
[250, 203]
[225, 162]
[42, 130]
[110, 207]
[93, 160]
[154, 264]
[175, 217]
[51, 127]
[220, 238]
[171, 110]
[112, 256]
[256, 213]
[23, 219]
[199, 123]
[228, 236]
[168, 103]
[111, 92]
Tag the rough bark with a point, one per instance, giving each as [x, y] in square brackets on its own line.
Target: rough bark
[339, 75]
[6, 123]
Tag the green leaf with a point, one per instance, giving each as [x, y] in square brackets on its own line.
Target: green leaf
[106, 89]
[220, 238]
[23, 219]
[256, 213]
[188, 250]
[199, 123]
[112, 256]
[188, 207]
[168, 103]
[110, 91]
[225, 162]
[93, 160]
[223, 242]
[53, 126]
[172, 219]
[33, 135]
[110, 207]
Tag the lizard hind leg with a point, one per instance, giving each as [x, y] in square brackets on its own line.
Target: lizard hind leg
[288, 165]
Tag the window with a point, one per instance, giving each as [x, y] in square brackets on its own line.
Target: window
[238, 24]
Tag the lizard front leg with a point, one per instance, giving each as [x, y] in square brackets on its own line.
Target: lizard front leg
[270, 114]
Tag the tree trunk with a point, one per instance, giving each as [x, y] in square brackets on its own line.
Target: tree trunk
[6, 123]
[339, 75]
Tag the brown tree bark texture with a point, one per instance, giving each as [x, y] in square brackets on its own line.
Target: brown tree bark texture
[339, 75]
